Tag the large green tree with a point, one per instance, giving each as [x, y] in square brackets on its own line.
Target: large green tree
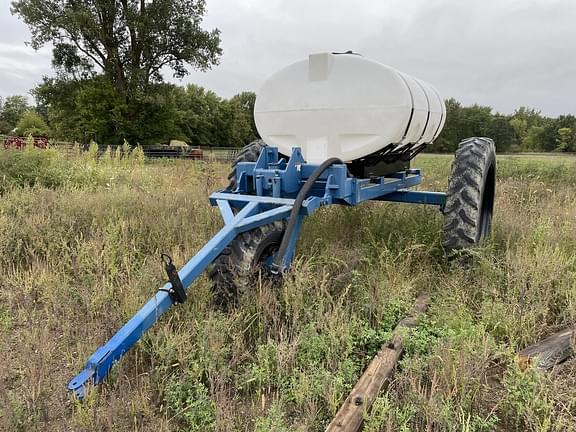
[93, 109]
[502, 132]
[559, 134]
[129, 42]
[12, 109]
[246, 101]
[57, 98]
[205, 119]
[199, 114]
[527, 124]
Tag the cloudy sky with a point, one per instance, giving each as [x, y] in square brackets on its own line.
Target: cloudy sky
[502, 53]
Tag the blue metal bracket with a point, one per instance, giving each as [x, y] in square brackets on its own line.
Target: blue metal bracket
[265, 193]
[416, 197]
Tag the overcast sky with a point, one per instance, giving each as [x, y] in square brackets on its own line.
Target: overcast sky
[502, 53]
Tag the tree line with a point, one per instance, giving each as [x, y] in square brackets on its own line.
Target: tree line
[110, 58]
[526, 129]
[94, 110]
[91, 110]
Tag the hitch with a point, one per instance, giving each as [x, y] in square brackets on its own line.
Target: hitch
[176, 291]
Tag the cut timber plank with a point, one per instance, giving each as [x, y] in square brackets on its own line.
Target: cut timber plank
[376, 377]
[548, 353]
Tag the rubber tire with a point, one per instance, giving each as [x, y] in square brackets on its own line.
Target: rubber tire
[249, 153]
[470, 196]
[236, 268]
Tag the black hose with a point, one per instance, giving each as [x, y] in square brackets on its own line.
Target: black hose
[296, 209]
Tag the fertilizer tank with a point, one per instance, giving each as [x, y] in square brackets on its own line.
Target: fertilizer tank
[349, 107]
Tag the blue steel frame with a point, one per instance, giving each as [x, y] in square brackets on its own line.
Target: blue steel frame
[265, 193]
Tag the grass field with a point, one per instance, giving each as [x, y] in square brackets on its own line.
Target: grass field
[79, 254]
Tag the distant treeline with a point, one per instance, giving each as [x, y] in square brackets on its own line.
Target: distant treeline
[93, 110]
[524, 130]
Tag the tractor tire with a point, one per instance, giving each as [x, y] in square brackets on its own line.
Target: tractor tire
[236, 268]
[249, 153]
[470, 196]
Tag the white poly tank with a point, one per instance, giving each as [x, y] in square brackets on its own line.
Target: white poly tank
[346, 106]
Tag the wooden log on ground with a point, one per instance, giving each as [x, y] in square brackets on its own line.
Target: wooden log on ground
[548, 353]
[377, 376]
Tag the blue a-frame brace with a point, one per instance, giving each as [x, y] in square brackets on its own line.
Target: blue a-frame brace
[265, 193]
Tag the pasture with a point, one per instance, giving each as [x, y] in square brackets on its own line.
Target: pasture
[80, 240]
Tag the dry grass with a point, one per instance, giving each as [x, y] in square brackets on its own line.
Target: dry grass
[79, 255]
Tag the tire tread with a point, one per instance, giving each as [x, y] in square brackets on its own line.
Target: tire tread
[232, 272]
[473, 159]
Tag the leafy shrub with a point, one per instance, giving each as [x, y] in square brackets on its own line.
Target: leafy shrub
[30, 167]
[526, 401]
[32, 124]
[273, 421]
[189, 400]
[49, 168]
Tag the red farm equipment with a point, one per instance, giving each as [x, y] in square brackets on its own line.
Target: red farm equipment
[19, 143]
